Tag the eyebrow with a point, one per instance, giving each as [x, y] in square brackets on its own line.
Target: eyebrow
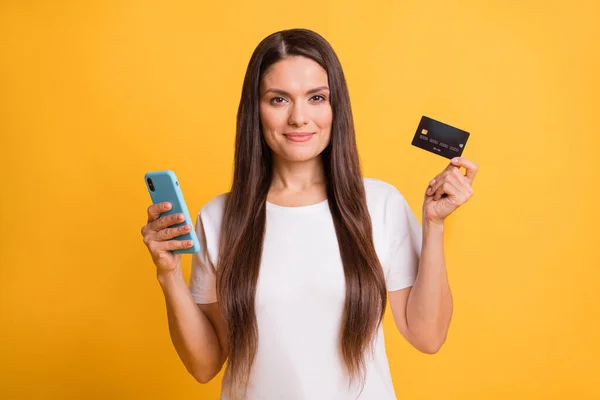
[284, 93]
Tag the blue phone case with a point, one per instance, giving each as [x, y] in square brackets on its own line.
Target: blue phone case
[166, 188]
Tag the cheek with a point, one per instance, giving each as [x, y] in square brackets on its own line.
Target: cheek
[272, 119]
[323, 117]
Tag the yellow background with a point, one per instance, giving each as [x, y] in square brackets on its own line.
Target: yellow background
[94, 94]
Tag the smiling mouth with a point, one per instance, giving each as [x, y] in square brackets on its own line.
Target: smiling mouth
[299, 136]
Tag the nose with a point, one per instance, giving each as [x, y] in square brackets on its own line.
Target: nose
[298, 115]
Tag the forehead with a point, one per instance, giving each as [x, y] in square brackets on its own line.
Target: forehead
[294, 73]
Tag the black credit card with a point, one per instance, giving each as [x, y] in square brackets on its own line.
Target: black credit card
[440, 138]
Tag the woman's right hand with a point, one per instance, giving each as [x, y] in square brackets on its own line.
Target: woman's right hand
[158, 236]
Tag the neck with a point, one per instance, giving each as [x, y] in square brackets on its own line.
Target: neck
[297, 176]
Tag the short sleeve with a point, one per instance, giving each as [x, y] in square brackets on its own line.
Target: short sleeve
[203, 279]
[405, 240]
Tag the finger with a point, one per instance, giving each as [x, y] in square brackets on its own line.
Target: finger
[172, 245]
[436, 182]
[166, 221]
[451, 188]
[462, 183]
[151, 235]
[470, 166]
[170, 233]
[429, 190]
[458, 175]
[437, 190]
[433, 186]
[449, 178]
[155, 210]
[464, 191]
[441, 190]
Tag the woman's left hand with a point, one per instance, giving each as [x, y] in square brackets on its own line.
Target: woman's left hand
[449, 190]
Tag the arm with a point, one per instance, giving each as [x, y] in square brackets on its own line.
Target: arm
[197, 331]
[422, 313]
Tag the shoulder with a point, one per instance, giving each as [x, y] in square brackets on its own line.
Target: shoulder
[210, 215]
[387, 205]
[392, 221]
[215, 207]
[380, 193]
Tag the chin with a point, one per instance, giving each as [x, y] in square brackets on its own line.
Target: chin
[299, 156]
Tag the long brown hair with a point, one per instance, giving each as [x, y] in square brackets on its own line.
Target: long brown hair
[243, 225]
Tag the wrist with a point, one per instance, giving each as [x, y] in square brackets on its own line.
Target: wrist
[166, 278]
[433, 226]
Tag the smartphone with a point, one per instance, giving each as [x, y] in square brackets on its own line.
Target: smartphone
[164, 186]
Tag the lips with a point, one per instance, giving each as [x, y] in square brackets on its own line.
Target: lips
[299, 136]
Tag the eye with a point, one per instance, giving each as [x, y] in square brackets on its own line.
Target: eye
[277, 100]
[318, 98]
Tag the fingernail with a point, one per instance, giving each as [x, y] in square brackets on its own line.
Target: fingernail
[167, 206]
[432, 182]
[455, 160]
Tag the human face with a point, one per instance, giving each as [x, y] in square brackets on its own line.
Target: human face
[295, 111]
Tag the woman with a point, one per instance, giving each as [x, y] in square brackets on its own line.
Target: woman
[291, 282]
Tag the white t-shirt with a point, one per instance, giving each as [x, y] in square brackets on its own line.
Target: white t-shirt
[301, 290]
